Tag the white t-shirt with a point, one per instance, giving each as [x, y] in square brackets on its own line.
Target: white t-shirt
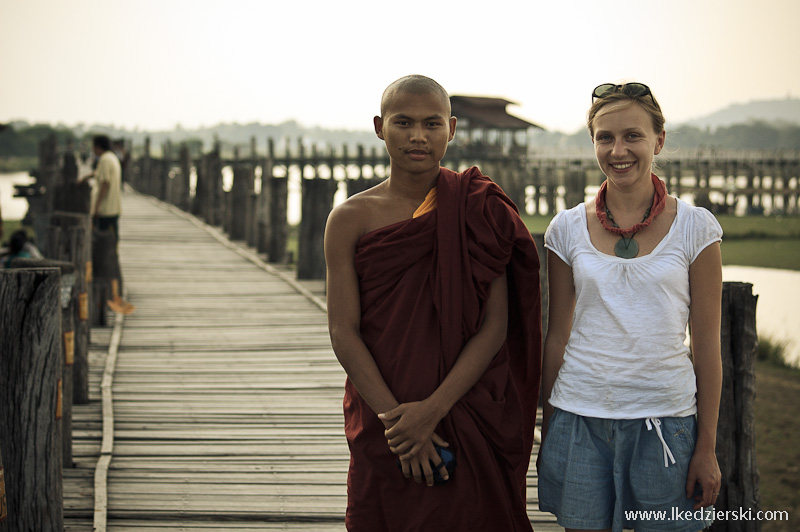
[626, 356]
[108, 171]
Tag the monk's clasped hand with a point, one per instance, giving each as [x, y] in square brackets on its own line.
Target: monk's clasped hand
[413, 439]
[422, 467]
[413, 428]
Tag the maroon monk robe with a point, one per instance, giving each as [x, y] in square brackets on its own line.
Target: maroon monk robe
[424, 283]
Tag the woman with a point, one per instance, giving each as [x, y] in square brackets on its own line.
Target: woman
[630, 415]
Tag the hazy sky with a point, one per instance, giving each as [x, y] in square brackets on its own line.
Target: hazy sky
[153, 64]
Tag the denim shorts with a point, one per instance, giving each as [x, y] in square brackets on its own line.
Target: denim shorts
[610, 473]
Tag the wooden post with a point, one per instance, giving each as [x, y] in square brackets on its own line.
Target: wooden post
[182, 199]
[163, 173]
[678, 190]
[793, 199]
[535, 182]
[72, 196]
[779, 169]
[66, 303]
[253, 203]
[251, 229]
[764, 170]
[317, 202]
[265, 200]
[279, 235]
[145, 169]
[215, 195]
[3, 502]
[551, 182]
[47, 176]
[30, 373]
[76, 233]
[241, 189]
[200, 194]
[736, 452]
[575, 184]
[354, 186]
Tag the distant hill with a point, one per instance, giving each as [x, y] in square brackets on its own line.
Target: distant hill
[771, 111]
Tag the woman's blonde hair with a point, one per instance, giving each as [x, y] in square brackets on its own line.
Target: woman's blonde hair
[617, 99]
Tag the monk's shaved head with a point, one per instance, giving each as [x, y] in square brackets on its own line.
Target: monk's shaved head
[414, 84]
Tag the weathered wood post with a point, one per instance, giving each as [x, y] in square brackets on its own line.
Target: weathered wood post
[736, 451]
[183, 183]
[163, 172]
[780, 171]
[362, 183]
[30, 373]
[66, 303]
[550, 181]
[317, 202]
[143, 182]
[754, 175]
[512, 184]
[78, 196]
[200, 185]
[536, 181]
[76, 233]
[279, 235]
[764, 170]
[252, 214]
[215, 192]
[575, 184]
[241, 189]
[701, 197]
[40, 205]
[518, 179]
[251, 229]
[69, 194]
[794, 175]
[265, 200]
[678, 179]
[3, 502]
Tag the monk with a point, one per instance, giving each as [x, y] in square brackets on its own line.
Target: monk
[434, 313]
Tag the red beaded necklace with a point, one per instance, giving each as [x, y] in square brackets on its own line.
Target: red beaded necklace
[627, 248]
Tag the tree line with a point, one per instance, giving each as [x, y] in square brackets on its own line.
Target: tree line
[19, 141]
[753, 135]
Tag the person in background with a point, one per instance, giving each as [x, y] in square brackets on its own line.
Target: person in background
[630, 412]
[19, 246]
[107, 205]
[106, 196]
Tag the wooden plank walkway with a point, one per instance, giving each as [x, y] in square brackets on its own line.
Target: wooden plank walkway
[226, 393]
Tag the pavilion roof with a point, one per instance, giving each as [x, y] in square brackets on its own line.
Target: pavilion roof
[487, 113]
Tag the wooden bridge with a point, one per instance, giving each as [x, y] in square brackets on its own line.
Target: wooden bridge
[217, 404]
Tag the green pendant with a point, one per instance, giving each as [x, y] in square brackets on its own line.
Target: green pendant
[626, 248]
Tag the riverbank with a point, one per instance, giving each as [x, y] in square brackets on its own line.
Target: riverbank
[778, 293]
[777, 453]
[13, 208]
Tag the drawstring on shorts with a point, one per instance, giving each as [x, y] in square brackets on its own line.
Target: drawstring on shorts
[654, 421]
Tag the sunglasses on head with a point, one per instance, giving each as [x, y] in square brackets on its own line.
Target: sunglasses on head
[634, 90]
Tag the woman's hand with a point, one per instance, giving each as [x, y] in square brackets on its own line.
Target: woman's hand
[703, 470]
